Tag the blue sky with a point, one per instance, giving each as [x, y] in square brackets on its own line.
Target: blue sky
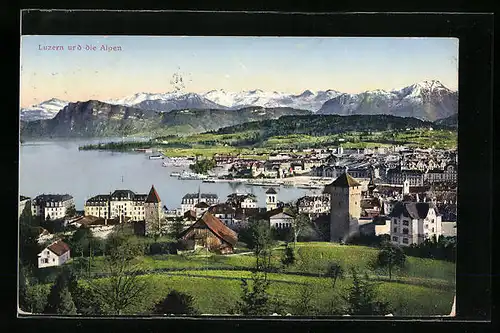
[288, 64]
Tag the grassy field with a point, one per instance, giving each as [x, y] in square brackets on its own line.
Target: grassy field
[423, 287]
[217, 292]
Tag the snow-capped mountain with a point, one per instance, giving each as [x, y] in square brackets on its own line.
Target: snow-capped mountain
[178, 102]
[426, 100]
[141, 97]
[44, 110]
[306, 100]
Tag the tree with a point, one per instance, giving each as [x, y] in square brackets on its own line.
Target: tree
[176, 303]
[28, 238]
[261, 242]
[335, 271]
[123, 288]
[304, 304]
[361, 298]
[255, 300]
[300, 222]
[60, 300]
[288, 256]
[177, 227]
[80, 240]
[65, 306]
[71, 211]
[391, 256]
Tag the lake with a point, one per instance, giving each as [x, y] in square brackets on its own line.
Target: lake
[58, 167]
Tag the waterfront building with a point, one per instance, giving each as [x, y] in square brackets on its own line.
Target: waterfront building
[52, 206]
[190, 200]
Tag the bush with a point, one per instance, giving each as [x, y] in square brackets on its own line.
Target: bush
[185, 245]
[161, 248]
[177, 303]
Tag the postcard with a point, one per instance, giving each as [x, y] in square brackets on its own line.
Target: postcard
[237, 176]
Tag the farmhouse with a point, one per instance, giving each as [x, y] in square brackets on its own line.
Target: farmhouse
[56, 254]
[212, 234]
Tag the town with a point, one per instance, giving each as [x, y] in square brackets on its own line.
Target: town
[403, 196]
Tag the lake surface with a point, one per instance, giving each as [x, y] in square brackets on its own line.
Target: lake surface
[58, 167]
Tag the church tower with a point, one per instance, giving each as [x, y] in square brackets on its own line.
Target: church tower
[152, 212]
[345, 207]
[271, 199]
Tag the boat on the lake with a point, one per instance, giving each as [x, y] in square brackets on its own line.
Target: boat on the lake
[156, 157]
[175, 174]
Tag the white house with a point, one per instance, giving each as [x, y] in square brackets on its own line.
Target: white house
[56, 254]
[191, 199]
[52, 206]
[279, 218]
[413, 222]
[249, 202]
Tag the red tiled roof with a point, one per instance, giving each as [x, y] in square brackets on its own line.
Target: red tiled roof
[59, 247]
[217, 227]
[153, 196]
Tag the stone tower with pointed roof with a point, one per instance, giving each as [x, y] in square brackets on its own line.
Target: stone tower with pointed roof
[345, 209]
[271, 199]
[152, 212]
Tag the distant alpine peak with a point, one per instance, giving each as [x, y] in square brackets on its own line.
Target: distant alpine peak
[306, 93]
[431, 85]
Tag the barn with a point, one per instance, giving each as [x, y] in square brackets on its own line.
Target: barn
[212, 234]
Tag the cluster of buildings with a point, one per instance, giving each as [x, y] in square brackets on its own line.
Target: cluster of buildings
[389, 165]
[408, 194]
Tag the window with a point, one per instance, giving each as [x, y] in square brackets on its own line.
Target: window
[405, 240]
[395, 229]
[432, 229]
[426, 226]
[53, 259]
[432, 221]
[395, 239]
[405, 223]
[46, 260]
[405, 231]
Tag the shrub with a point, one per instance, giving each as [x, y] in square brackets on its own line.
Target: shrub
[185, 245]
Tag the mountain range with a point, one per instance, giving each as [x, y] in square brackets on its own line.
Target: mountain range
[426, 100]
[98, 119]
